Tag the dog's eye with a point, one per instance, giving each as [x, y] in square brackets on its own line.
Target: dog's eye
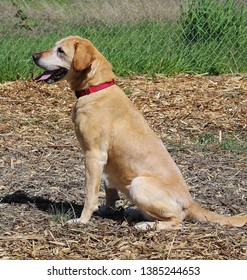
[60, 51]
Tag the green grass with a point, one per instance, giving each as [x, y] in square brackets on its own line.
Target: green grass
[211, 142]
[209, 19]
[141, 47]
[228, 143]
[60, 215]
[216, 30]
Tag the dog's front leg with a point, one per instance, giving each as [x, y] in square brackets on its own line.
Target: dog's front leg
[94, 164]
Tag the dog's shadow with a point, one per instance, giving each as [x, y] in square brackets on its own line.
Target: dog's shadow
[43, 204]
[62, 207]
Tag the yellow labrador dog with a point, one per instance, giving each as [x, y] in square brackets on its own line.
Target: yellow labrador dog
[119, 145]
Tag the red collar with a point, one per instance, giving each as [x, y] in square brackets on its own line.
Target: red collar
[90, 90]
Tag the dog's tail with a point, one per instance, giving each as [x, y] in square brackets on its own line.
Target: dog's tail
[198, 213]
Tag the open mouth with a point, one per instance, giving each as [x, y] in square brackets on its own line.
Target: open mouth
[51, 76]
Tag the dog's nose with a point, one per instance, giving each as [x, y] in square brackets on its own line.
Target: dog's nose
[36, 56]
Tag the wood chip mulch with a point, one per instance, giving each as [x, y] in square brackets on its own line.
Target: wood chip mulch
[42, 173]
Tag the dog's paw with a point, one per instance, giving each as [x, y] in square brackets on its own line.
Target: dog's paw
[144, 226]
[74, 222]
[157, 226]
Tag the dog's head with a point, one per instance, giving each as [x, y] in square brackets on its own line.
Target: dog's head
[66, 59]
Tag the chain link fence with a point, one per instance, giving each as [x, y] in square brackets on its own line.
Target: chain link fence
[156, 36]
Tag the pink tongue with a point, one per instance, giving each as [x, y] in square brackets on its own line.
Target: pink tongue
[43, 76]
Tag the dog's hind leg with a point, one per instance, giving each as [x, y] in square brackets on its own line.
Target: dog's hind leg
[111, 197]
[157, 203]
[111, 194]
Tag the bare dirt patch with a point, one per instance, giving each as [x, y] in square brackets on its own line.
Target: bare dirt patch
[42, 173]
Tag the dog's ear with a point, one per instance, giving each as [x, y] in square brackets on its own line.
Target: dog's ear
[83, 56]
